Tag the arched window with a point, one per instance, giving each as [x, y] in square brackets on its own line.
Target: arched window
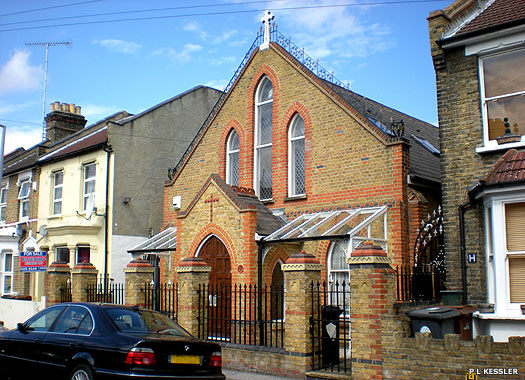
[263, 139]
[296, 168]
[277, 292]
[232, 159]
[339, 276]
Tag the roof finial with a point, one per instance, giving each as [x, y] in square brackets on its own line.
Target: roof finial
[266, 19]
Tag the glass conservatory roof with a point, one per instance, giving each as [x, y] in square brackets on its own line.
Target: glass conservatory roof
[163, 241]
[330, 224]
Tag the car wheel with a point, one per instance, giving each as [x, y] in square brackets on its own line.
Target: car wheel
[81, 372]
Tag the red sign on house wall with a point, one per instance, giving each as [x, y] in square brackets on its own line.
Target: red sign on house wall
[33, 261]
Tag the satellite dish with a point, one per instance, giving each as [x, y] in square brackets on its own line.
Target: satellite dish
[90, 205]
[42, 230]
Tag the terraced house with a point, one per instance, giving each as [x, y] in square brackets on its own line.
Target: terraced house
[479, 59]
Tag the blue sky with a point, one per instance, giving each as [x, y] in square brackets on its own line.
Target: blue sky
[380, 49]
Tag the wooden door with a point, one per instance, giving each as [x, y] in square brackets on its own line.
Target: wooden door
[219, 298]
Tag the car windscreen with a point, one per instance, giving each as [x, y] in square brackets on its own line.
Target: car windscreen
[144, 321]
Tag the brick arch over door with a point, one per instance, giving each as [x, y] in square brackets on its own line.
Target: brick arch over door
[214, 252]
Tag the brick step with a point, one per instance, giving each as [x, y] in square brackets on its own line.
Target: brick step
[320, 375]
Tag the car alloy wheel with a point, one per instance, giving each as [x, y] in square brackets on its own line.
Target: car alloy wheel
[81, 372]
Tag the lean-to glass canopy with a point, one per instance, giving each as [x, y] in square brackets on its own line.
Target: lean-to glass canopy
[367, 222]
[161, 242]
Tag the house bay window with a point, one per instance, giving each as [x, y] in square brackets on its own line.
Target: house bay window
[503, 93]
[83, 254]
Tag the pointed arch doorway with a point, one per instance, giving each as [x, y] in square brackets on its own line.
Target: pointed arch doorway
[214, 252]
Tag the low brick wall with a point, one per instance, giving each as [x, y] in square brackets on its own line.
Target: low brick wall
[422, 357]
[270, 361]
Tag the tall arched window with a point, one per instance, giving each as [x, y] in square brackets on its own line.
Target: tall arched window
[232, 159]
[296, 168]
[263, 139]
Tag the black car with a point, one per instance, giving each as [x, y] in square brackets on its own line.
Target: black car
[85, 341]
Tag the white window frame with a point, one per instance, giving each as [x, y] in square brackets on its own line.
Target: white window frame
[330, 270]
[259, 147]
[493, 144]
[498, 266]
[5, 274]
[292, 167]
[3, 202]
[85, 181]
[230, 152]
[24, 198]
[57, 247]
[56, 200]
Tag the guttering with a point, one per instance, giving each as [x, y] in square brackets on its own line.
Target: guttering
[461, 212]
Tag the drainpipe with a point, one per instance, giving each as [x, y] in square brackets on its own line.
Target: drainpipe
[463, 249]
[107, 148]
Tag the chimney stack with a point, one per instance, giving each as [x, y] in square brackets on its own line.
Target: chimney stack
[63, 120]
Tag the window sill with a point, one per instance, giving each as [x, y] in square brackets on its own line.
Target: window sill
[508, 315]
[295, 198]
[493, 146]
[268, 201]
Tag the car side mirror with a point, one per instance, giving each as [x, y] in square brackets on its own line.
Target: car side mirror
[21, 327]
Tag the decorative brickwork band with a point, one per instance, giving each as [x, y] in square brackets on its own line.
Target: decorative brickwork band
[193, 264]
[138, 273]
[302, 261]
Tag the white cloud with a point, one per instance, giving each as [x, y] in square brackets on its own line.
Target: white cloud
[23, 136]
[119, 46]
[19, 75]
[334, 31]
[223, 60]
[195, 27]
[183, 55]
[218, 84]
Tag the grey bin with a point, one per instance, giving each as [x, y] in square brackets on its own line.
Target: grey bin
[436, 320]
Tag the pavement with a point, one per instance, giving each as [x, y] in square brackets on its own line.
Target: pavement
[239, 375]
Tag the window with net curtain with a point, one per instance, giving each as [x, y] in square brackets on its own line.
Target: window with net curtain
[296, 165]
[232, 159]
[503, 93]
[263, 139]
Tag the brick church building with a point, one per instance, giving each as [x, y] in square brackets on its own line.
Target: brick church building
[289, 160]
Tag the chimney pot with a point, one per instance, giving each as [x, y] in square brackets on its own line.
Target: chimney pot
[72, 107]
[64, 107]
[78, 110]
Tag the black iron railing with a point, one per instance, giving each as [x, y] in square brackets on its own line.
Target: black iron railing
[418, 283]
[163, 298]
[242, 314]
[65, 292]
[106, 292]
[330, 327]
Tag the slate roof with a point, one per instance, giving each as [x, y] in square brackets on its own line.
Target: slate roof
[82, 144]
[423, 163]
[22, 161]
[498, 13]
[508, 170]
[244, 199]
[489, 17]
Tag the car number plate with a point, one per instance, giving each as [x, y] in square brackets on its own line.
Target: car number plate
[185, 359]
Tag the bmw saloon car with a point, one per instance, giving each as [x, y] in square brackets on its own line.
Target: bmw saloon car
[85, 341]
